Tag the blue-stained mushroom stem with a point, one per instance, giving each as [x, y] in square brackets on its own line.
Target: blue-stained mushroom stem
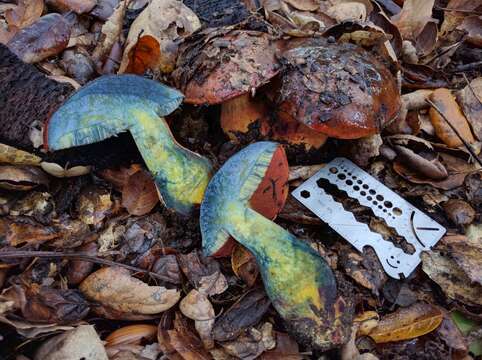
[298, 281]
[114, 104]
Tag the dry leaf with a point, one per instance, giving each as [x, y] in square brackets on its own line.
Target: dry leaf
[286, 349]
[139, 193]
[131, 334]
[452, 17]
[347, 11]
[33, 330]
[453, 281]
[470, 99]
[117, 289]
[244, 265]
[11, 155]
[94, 205]
[445, 101]
[46, 37]
[414, 16]
[196, 306]
[18, 231]
[22, 177]
[246, 312]
[183, 340]
[24, 14]
[152, 40]
[459, 211]
[77, 6]
[407, 323]
[78, 269]
[110, 33]
[80, 343]
[119, 177]
[252, 343]
[305, 5]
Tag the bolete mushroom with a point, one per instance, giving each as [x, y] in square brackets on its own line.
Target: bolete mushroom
[114, 104]
[340, 90]
[298, 281]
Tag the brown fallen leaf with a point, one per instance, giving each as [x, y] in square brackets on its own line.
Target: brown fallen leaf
[349, 11]
[131, 334]
[246, 312]
[425, 163]
[119, 177]
[18, 231]
[196, 306]
[139, 193]
[185, 342]
[470, 99]
[453, 17]
[459, 211]
[94, 205]
[349, 351]
[453, 281]
[413, 17]
[168, 268]
[153, 36]
[116, 288]
[252, 343]
[47, 36]
[244, 265]
[451, 335]
[22, 177]
[78, 269]
[407, 323]
[82, 342]
[286, 349]
[77, 6]
[447, 104]
[305, 5]
[24, 14]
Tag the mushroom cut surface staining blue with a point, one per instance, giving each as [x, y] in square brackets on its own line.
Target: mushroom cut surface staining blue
[118, 103]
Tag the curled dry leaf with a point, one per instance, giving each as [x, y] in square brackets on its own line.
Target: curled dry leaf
[244, 265]
[14, 156]
[119, 177]
[470, 99]
[196, 306]
[447, 104]
[413, 17]
[131, 334]
[117, 289]
[46, 37]
[246, 312]
[24, 14]
[153, 36]
[139, 193]
[79, 343]
[21, 177]
[425, 163]
[77, 6]
[407, 323]
[453, 281]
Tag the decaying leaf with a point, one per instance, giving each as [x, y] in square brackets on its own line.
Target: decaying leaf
[139, 193]
[22, 177]
[453, 281]
[349, 351]
[185, 342]
[79, 343]
[407, 323]
[244, 265]
[116, 288]
[78, 269]
[413, 17]
[196, 306]
[459, 211]
[78, 6]
[14, 156]
[32, 330]
[470, 99]
[447, 104]
[46, 37]
[252, 342]
[152, 40]
[286, 349]
[18, 231]
[94, 205]
[246, 312]
[24, 14]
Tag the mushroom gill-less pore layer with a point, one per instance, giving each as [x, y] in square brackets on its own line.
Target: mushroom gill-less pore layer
[340, 90]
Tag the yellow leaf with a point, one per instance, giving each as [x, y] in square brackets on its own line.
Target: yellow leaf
[407, 323]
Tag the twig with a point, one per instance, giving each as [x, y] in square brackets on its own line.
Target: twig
[466, 144]
[76, 256]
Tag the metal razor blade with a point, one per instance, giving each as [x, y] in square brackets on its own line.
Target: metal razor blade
[414, 226]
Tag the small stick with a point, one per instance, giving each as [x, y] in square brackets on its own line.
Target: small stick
[76, 256]
[466, 144]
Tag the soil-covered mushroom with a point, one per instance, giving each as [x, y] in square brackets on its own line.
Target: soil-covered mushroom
[115, 104]
[298, 281]
[340, 90]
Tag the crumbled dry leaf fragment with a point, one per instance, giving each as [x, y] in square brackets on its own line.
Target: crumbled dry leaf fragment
[94, 205]
[196, 306]
[82, 342]
[117, 289]
[47, 36]
[407, 323]
[153, 36]
[252, 342]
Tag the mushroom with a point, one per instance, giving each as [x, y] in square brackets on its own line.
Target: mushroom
[298, 281]
[114, 104]
[340, 90]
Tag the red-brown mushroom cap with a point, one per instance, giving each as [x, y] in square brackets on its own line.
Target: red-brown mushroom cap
[340, 90]
[220, 64]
